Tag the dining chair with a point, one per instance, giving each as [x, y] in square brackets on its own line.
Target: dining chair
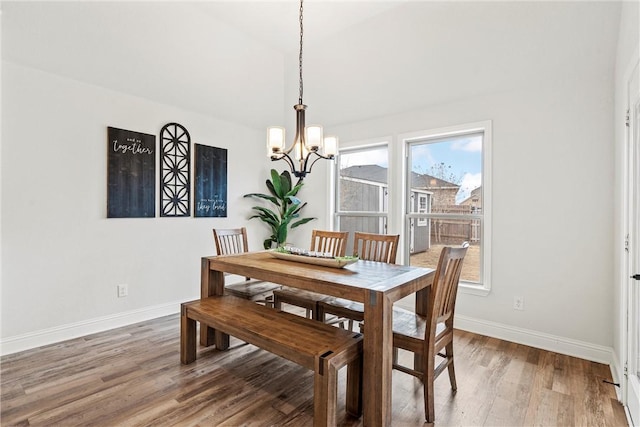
[431, 336]
[234, 241]
[368, 247]
[334, 242]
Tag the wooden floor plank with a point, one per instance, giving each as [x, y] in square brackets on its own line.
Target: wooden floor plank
[132, 376]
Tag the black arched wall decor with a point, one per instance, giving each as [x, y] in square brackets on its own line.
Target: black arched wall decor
[175, 199]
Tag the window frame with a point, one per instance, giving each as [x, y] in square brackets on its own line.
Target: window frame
[484, 287]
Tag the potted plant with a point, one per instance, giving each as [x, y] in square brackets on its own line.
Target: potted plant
[288, 207]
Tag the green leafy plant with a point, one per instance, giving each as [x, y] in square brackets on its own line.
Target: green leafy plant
[283, 196]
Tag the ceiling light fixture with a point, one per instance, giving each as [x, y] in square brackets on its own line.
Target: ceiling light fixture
[308, 140]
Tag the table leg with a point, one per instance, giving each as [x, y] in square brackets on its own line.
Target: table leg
[378, 353]
[211, 283]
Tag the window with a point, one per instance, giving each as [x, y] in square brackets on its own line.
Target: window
[447, 184]
[422, 209]
[433, 187]
[362, 190]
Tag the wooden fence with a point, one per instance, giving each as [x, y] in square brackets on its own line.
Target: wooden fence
[451, 231]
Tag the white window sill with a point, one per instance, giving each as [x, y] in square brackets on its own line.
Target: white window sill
[473, 289]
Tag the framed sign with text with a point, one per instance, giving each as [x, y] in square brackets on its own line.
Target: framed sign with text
[131, 170]
[210, 198]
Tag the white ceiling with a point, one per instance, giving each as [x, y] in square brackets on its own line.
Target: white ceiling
[276, 23]
[237, 60]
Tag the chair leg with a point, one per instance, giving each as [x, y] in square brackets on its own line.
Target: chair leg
[418, 362]
[354, 388]
[450, 367]
[268, 301]
[222, 340]
[428, 379]
[316, 313]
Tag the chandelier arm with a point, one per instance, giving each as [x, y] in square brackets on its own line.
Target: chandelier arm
[331, 157]
[284, 156]
[287, 151]
[319, 156]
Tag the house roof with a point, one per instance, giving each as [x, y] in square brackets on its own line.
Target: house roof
[476, 192]
[376, 173]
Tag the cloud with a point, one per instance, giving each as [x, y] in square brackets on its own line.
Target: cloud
[470, 181]
[472, 144]
[422, 158]
[375, 156]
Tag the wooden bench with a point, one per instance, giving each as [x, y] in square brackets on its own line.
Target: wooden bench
[321, 348]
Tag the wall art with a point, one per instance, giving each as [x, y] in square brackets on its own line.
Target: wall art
[175, 157]
[210, 199]
[131, 170]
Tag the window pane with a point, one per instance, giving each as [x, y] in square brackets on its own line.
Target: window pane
[449, 171]
[363, 180]
[362, 187]
[446, 178]
[427, 242]
[362, 223]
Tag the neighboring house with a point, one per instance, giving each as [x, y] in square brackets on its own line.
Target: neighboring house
[444, 192]
[364, 188]
[474, 200]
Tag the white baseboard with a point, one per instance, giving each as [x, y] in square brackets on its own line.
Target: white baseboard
[557, 344]
[531, 338]
[616, 374]
[74, 330]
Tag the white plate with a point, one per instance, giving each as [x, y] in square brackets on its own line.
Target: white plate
[325, 262]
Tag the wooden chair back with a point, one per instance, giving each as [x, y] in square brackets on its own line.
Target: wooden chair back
[230, 241]
[445, 288]
[329, 241]
[376, 247]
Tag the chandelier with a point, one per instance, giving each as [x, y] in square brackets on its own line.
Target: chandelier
[308, 146]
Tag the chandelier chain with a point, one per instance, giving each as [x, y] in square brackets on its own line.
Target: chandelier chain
[305, 151]
[300, 55]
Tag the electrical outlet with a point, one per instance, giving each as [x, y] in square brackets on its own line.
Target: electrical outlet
[518, 303]
[123, 291]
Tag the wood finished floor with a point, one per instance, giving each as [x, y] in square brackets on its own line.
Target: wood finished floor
[132, 376]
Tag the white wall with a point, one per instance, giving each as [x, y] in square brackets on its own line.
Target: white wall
[552, 218]
[62, 258]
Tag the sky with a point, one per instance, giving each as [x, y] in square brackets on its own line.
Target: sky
[460, 159]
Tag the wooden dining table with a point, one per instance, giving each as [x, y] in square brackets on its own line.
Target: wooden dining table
[375, 284]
